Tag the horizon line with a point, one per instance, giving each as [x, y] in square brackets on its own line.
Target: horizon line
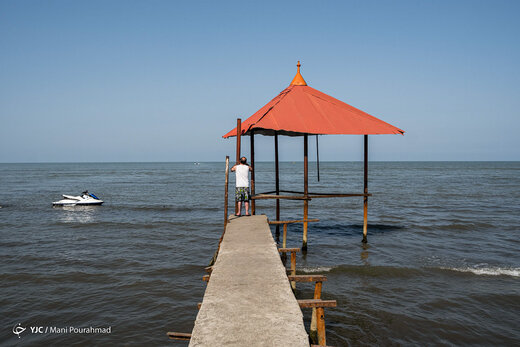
[259, 161]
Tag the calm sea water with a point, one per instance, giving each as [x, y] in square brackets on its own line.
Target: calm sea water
[442, 266]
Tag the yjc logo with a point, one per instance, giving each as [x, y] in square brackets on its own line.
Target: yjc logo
[18, 329]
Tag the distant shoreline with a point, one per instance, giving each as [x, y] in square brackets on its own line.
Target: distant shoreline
[264, 161]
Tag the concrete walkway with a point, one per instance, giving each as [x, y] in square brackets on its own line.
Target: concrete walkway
[248, 300]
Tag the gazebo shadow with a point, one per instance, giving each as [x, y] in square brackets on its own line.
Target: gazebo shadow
[345, 229]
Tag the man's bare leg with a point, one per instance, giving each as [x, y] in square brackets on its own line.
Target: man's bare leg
[247, 207]
[239, 208]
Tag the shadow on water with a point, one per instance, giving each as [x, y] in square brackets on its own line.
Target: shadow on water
[343, 229]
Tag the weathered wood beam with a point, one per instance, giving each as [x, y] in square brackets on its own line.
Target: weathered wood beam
[310, 303]
[307, 278]
[286, 250]
[178, 336]
[288, 197]
[321, 196]
[338, 195]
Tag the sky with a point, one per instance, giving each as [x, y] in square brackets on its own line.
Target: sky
[118, 81]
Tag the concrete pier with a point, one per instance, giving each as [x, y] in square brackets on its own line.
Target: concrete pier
[248, 299]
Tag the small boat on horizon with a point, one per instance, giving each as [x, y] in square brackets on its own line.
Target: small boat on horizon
[84, 199]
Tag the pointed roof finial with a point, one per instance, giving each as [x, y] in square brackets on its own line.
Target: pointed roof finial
[298, 79]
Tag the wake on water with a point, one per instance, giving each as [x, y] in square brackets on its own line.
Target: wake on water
[489, 271]
[486, 271]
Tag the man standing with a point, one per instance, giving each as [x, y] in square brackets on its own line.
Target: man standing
[242, 184]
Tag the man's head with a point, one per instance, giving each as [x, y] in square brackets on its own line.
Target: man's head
[243, 160]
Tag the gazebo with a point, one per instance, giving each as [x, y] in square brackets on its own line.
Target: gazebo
[300, 110]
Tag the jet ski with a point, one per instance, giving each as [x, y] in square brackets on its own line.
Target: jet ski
[84, 199]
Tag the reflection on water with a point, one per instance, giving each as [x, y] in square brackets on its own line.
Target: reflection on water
[78, 214]
[364, 254]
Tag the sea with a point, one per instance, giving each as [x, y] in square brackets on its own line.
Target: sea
[441, 266]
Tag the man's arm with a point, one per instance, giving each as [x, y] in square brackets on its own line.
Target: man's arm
[250, 168]
[233, 168]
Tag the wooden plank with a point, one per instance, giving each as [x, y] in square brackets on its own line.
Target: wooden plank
[178, 336]
[308, 278]
[322, 196]
[309, 197]
[309, 303]
[286, 250]
[288, 197]
[313, 195]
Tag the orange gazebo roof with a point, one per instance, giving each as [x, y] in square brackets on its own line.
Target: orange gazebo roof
[300, 109]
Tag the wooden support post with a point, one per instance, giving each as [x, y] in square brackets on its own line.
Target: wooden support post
[320, 313]
[313, 331]
[239, 134]
[277, 180]
[365, 191]
[284, 242]
[226, 193]
[317, 158]
[253, 205]
[293, 269]
[305, 190]
[293, 261]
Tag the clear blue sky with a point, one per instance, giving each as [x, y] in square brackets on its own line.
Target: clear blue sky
[164, 80]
